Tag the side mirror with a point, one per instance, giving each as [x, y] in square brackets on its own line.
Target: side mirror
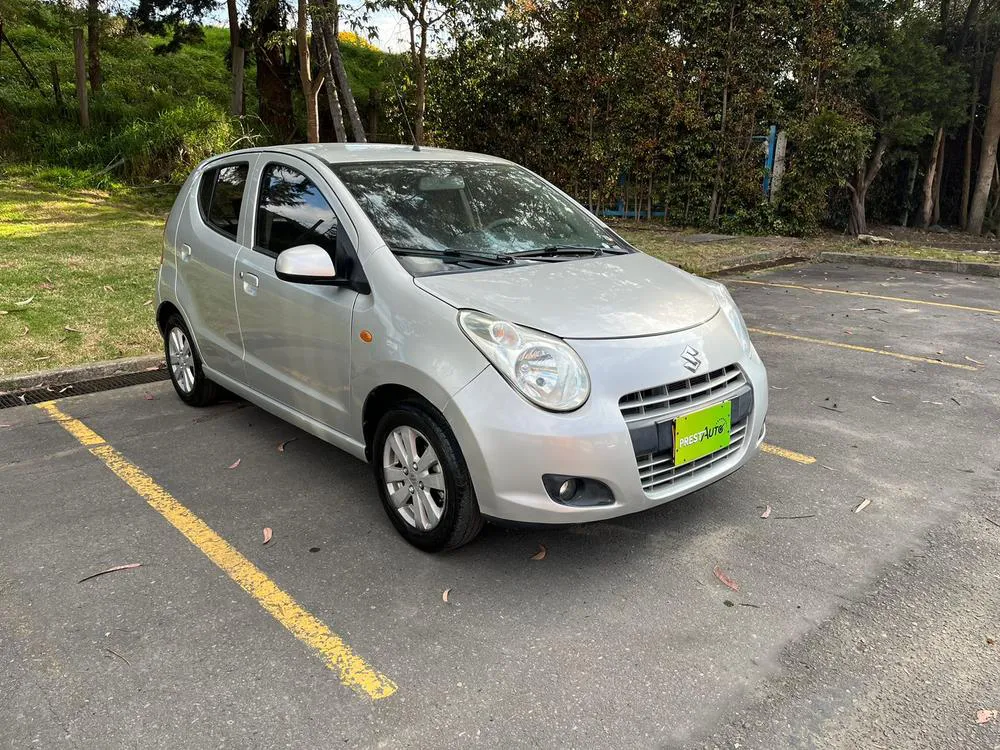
[305, 264]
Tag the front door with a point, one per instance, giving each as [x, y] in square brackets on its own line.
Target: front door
[296, 336]
[208, 242]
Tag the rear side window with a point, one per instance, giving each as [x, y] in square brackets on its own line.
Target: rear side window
[221, 196]
[292, 211]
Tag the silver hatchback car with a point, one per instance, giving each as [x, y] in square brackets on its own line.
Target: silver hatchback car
[494, 350]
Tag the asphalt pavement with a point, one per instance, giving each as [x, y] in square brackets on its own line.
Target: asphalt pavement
[866, 615]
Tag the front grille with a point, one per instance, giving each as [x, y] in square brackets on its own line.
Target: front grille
[662, 400]
[657, 471]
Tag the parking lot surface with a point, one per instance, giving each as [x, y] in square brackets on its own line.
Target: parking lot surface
[866, 614]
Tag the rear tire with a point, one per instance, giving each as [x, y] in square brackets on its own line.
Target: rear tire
[422, 479]
[184, 365]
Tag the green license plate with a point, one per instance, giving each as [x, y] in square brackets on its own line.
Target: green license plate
[702, 432]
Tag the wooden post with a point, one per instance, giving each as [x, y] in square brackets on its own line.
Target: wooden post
[239, 56]
[56, 90]
[81, 77]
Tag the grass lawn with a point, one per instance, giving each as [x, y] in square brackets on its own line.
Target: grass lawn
[77, 270]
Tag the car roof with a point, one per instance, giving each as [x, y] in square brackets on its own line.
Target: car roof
[347, 153]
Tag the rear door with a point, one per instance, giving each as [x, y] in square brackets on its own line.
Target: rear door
[208, 240]
[297, 336]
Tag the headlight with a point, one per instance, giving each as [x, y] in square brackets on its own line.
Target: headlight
[545, 369]
[732, 312]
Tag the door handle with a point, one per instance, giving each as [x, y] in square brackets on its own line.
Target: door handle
[185, 252]
[250, 282]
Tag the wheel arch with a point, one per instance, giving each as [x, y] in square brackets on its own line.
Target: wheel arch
[383, 398]
[163, 313]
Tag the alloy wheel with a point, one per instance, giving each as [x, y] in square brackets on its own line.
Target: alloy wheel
[181, 359]
[414, 478]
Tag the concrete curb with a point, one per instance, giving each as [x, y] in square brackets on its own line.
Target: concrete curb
[757, 262]
[913, 264]
[80, 373]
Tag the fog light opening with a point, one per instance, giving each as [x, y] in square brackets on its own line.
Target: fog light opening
[577, 492]
[568, 489]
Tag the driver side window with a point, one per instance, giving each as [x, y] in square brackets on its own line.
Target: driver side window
[292, 211]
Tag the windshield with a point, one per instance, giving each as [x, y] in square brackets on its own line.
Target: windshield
[471, 207]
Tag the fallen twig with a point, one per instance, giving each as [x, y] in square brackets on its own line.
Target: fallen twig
[111, 650]
[992, 521]
[111, 570]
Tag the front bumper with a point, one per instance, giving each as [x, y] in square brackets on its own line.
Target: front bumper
[509, 443]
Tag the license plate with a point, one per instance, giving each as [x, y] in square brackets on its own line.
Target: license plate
[702, 432]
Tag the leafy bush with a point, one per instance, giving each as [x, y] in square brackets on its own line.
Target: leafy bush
[168, 147]
[823, 148]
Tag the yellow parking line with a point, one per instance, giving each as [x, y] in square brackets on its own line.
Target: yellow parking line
[856, 348]
[908, 300]
[800, 458]
[337, 655]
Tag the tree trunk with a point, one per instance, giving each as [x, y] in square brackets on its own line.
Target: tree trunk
[275, 95]
[236, 105]
[858, 223]
[310, 87]
[420, 102]
[988, 152]
[94, 45]
[938, 177]
[56, 89]
[927, 204]
[963, 211]
[858, 187]
[234, 24]
[346, 93]
[237, 60]
[911, 181]
[333, 102]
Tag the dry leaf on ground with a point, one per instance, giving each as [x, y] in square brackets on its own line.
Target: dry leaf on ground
[985, 716]
[283, 443]
[725, 579]
[767, 512]
[540, 555]
[444, 595]
[267, 534]
[24, 302]
[148, 396]
[235, 463]
[129, 566]
[862, 505]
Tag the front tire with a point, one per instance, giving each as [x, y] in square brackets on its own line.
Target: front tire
[184, 365]
[422, 479]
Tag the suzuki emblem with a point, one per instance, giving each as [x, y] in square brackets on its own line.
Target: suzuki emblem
[691, 358]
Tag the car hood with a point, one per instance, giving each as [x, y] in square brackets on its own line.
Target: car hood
[612, 296]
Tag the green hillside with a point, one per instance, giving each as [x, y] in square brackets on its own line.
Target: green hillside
[157, 113]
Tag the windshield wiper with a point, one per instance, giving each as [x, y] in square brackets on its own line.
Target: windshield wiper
[552, 251]
[450, 255]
